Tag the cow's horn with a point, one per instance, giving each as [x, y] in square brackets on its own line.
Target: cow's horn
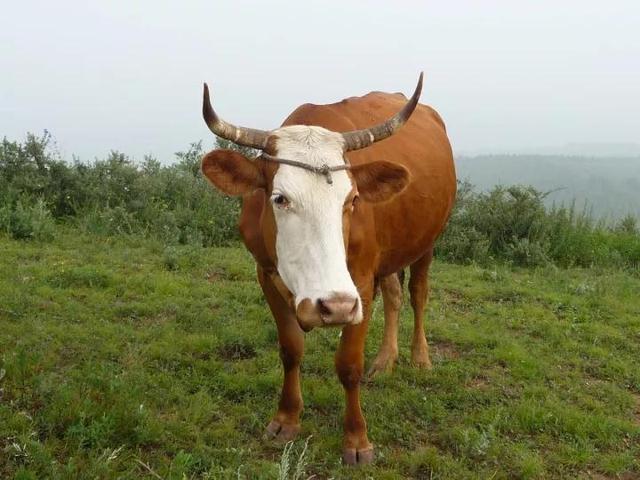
[249, 137]
[358, 139]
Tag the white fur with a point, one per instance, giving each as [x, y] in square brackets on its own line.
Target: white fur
[310, 247]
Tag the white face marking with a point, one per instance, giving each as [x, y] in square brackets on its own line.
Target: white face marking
[309, 243]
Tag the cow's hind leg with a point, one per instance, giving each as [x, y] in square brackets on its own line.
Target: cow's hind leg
[419, 290]
[285, 425]
[391, 288]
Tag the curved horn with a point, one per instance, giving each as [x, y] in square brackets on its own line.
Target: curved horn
[358, 139]
[249, 137]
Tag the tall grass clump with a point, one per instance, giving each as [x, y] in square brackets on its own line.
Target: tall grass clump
[27, 221]
[292, 468]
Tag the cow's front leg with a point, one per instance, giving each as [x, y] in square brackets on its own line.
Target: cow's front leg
[285, 425]
[350, 365]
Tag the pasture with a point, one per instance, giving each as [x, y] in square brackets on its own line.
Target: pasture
[123, 358]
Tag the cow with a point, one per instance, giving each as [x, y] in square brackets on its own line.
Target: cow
[331, 212]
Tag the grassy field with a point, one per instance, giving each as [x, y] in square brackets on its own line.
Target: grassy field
[122, 358]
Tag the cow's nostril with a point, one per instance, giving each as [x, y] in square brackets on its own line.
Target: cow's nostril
[354, 310]
[338, 308]
[323, 308]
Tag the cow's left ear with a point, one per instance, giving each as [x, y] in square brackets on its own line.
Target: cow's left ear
[231, 172]
[379, 181]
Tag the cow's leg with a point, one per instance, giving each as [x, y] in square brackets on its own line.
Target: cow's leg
[350, 366]
[392, 300]
[419, 289]
[285, 425]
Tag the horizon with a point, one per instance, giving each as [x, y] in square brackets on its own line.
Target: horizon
[572, 150]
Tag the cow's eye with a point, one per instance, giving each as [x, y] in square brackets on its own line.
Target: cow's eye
[354, 202]
[280, 200]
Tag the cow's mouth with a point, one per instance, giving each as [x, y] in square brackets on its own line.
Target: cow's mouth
[305, 328]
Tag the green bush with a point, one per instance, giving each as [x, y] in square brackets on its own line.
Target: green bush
[114, 196]
[28, 222]
[512, 224]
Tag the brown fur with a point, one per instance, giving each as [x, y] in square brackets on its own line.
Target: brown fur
[231, 172]
[379, 181]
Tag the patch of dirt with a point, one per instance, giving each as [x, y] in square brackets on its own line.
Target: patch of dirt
[622, 476]
[444, 350]
[478, 383]
[236, 351]
[453, 295]
[455, 299]
[152, 320]
[629, 476]
[507, 296]
[203, 355]
[215, 275]
[47, 304]
[636, 411]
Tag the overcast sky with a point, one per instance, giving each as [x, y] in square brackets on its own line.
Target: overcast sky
[505, 75]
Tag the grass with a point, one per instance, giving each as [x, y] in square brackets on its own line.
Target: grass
[121, 358]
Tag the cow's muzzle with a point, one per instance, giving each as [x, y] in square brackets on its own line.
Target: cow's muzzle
[339, 309]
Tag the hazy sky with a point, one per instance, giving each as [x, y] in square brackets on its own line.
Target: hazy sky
[505, 75]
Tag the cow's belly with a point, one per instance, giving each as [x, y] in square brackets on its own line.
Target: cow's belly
[408, 228]
[395, 259]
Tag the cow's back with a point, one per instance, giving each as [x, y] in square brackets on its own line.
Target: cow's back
[408, 225]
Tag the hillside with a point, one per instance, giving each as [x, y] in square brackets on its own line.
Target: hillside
[610, 186]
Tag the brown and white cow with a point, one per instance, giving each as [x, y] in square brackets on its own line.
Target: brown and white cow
[329, 217]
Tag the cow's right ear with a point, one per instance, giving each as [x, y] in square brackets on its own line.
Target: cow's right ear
[231, 172]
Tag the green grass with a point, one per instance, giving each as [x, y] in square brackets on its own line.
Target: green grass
[120, 358]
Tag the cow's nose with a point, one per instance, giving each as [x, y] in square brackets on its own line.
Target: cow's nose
[338, 309]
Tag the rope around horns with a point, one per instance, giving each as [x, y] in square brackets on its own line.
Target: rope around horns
[323, 169]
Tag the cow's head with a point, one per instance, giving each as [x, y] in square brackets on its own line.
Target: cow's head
[311, 193]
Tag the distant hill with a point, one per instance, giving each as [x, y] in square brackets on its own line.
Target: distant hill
[574, 149]
[593, 149]
[609, 185]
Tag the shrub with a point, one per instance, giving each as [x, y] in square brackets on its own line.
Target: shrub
[114, 196]
[512, 224]
[28, 222]
[506, 223]
[522, 251]
[628, 224]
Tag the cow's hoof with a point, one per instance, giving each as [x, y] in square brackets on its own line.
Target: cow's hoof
[422, 364]
[281, 432]
[384, 362]
[420, 358]
[353, 456]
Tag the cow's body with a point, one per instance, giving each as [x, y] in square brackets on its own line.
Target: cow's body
[385, 237]
[382, 233]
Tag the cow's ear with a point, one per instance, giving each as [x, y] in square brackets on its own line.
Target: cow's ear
[231, 172]
[379, 181]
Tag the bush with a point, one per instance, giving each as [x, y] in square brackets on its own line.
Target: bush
[113, 196]
[28, 222]
[506, 223]
[512, 224]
